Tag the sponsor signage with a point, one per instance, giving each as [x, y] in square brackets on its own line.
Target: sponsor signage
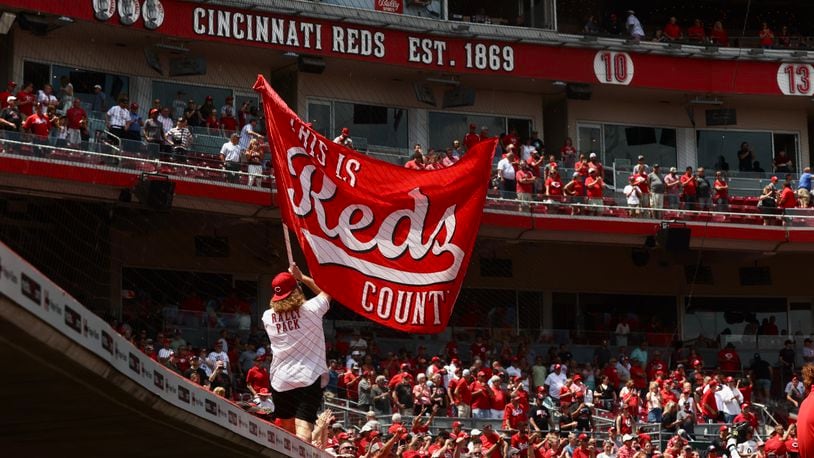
[32, 291]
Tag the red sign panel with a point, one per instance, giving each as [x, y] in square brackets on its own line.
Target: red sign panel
[390, 6]
[390, 243]
[320, 37]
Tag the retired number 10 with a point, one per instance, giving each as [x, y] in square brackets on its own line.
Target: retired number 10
[492, 57]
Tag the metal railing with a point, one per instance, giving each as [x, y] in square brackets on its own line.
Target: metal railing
[104, 154]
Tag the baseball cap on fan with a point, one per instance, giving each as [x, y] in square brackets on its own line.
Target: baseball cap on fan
[282, 285]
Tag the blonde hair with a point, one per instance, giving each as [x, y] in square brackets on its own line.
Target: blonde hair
[808, 375]
[292, 302]
[220, 391]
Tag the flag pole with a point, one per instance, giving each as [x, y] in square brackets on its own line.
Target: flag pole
[287, 239]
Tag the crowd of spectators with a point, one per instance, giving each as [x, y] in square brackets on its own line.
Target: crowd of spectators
[168, 127]
[545, 405]
[525, 171]
[684, 30]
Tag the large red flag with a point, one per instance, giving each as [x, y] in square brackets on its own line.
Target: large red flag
[391, 244]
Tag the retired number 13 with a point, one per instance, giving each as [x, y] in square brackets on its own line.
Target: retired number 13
[491, 57]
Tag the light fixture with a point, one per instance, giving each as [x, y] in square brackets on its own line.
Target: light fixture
[710, 49]
[65, 19]
[799, 54]
[171, 47]
[706, 101]
[674, 45]
[6, 21]
[450, 81]
[559, 84]
[290, 54]
[588, 38]
[460, 28]
[756, 52]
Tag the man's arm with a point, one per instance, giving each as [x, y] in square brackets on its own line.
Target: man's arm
[307, 281]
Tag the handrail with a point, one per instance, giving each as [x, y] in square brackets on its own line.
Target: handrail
[121, 156]
[118, 157]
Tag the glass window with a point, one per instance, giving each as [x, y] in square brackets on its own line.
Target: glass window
[446, 127]
[711, 316]
[656, 144]
[589, 139]
[34, 72]
[787, 143]
[718, 149]
[319, 115]
[371, 125]
[83, 81]
[169, 92]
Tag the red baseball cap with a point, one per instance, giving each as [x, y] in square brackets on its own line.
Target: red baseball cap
[481, 374]
[696, 362]
[774, 179]
[557, 367]
[541, 389]
[282, 285]
[12, 83]
[345, 131]
[405, 366]
[263, 392]
[577, 378]
[456, 424]
[723, 428]
[583, 437]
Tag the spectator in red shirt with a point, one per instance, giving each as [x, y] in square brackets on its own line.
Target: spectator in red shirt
[478, 348]
[12, 86]
[582, 451]
[776, 444]
[568, 154]
[719, 35]
[553, 185]
[462, 395]
[671, 30]
[471, 138]
[766, 36]
[38, 123]
[721, 195]
[696, 32]
[497, 398]
[491, 442]
[416, 163]
[514, 416]
[484, 133]
[787, 198]
[77, 120]
[708, 405]
[656, 365]
[481, 402]
[257, 377]
[593, 189]
[689, 189]
[26, 99]
[520, 439]
[525, 182]
[728, 360]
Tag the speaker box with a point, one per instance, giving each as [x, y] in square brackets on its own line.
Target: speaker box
[155, 191]
[578, 91]
[307, 64]
[674, 239]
